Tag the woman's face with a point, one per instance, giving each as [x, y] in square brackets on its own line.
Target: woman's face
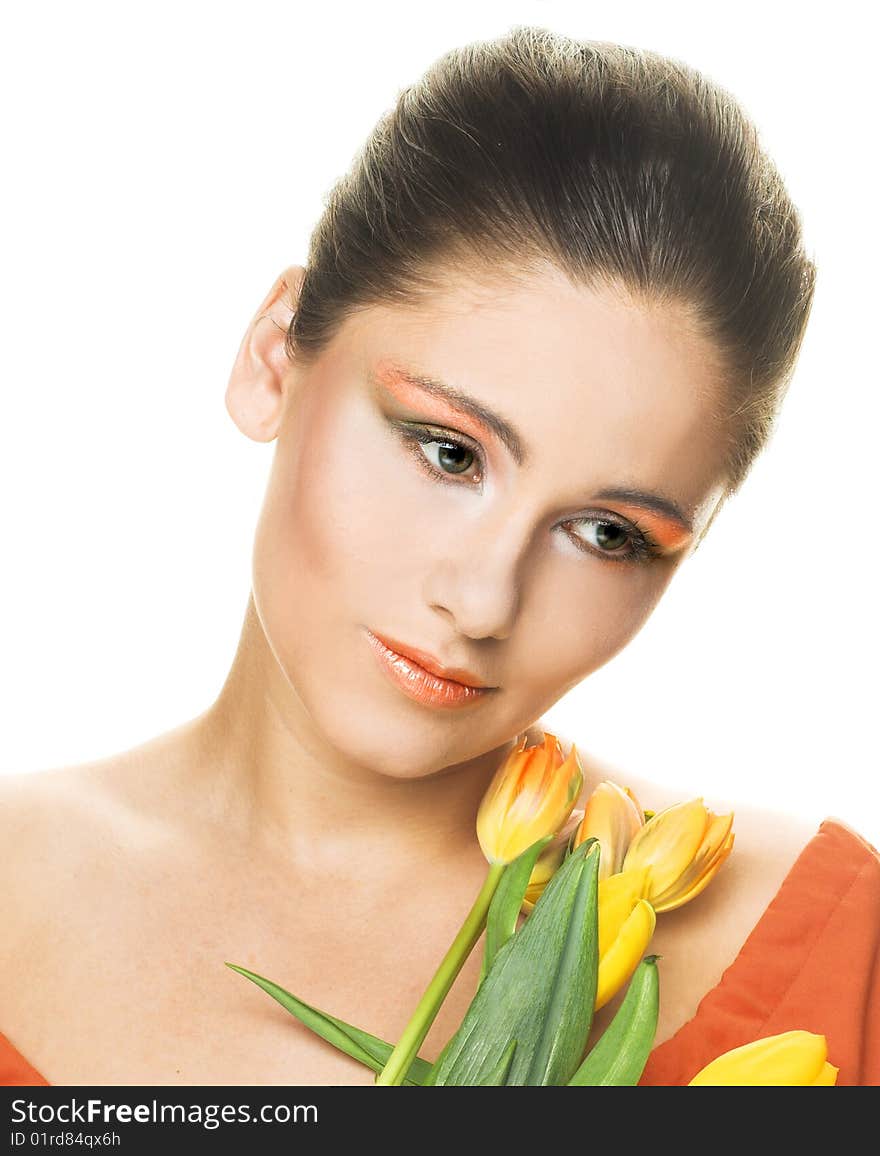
[505, 480]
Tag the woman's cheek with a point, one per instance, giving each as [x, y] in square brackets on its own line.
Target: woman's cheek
[377, 513]
[585, 612]
[350, 508]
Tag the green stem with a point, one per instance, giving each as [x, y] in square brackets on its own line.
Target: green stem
[415, 1031]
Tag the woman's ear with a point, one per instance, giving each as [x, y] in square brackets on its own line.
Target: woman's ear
[255, 392]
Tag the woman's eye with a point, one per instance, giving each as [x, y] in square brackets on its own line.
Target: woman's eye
[441, 455]
[450, 457]
[613, 540]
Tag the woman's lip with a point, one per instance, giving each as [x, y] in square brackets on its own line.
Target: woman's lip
[433, 665]
[419, 683]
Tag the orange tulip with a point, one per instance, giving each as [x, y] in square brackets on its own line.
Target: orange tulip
[683, 846]
[613, 816]
[531, 796]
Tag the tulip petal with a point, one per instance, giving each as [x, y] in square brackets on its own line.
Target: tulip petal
[668, 842]
[642, 813]
[794, 1058]
[618, 895]
[531, 897]
[549, 862]
[553, 804]
[827, 1077]
[612, 817]
[621, 959]
[497, 799]
[695, 879]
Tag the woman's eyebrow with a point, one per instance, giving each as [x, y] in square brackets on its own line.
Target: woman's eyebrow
[649, 501]
[392, 377]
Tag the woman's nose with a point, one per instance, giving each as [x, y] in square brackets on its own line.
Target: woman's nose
[477, 577]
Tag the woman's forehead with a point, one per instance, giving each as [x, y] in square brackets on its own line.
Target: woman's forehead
[546, 324]
[545, 350]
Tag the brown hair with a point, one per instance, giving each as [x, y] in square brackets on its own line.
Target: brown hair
[619, 165]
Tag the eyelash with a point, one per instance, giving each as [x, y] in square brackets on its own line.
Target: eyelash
[644, 547]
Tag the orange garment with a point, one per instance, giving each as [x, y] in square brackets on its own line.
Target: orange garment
[15, 1070]
[812, 962]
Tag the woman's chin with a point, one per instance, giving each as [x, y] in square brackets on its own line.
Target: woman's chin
[402, 744]
[395, 751]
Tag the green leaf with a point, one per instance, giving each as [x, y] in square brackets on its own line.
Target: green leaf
[621, 1052]
[360, 1045]
[540, 989]
[497, 1078]
[571, 967]
[508, 900]
[431, 1077]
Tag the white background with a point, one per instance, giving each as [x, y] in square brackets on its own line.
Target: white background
[163, 162]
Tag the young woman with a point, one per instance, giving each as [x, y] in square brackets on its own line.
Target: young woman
[543, 331]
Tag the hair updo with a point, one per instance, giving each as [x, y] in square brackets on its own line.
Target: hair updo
[620, 166]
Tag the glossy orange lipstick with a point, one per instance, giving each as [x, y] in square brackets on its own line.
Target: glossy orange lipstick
[420, 684]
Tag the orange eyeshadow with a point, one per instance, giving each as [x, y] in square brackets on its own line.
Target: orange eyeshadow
[669, 534]
[411, 394]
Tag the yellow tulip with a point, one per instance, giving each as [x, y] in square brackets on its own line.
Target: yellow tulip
[618, 895]
[683, 846]
[626, 922]
[795, 1058]
[613, 816]
[531, 796]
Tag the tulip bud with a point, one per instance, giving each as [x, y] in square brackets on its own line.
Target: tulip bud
[531, 796]
[794, 1058]
[612, 816]
[683, 846]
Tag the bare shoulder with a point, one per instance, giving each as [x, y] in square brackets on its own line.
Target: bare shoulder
[62, 825]
[48, 831]
[36, 806]
[50, 822]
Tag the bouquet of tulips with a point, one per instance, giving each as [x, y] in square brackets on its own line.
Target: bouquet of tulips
[568, 907]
